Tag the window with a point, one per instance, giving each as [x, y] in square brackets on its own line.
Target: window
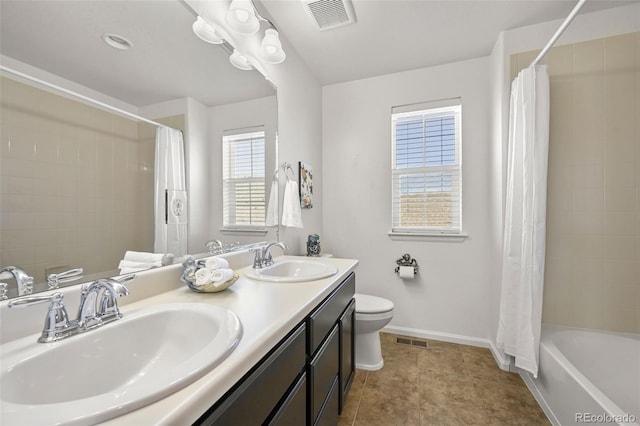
[243, 179]
[426, 169]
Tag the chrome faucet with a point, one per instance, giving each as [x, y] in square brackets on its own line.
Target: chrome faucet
[24, 282]
[94, 311]
[98, 302]
[56, 325]
[263, 256]
[213, 246]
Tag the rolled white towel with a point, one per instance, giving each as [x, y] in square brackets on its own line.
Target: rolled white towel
[221, 276]
[217, 263]
[140, 256]
[204, 276]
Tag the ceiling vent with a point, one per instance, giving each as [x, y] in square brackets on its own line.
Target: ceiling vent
[329, 14]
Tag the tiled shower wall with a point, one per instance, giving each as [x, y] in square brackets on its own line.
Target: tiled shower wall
[71, 183]
[592, 277]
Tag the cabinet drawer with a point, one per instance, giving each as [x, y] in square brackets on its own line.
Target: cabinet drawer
[293, 410]
[325, 317]
[260, 392]
[323, 370]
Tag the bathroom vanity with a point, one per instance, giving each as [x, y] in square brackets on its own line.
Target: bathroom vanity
[305, 378]
[293, 364]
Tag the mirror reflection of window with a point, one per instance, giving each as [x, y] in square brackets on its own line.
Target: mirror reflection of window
[243, 195]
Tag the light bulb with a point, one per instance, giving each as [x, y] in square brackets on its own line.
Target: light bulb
[206, 32]
[271, 49]
[242, 18]
[242, 15]
[240, 61]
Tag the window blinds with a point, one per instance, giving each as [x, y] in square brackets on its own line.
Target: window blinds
[426, 169]
[243, 179]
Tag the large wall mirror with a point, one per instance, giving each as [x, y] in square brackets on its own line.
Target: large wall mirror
[76, 179]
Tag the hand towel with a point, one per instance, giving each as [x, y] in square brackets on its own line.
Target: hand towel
[272, 207]
[291, 211]
[216, 263]
[221, 276]
[204, 276]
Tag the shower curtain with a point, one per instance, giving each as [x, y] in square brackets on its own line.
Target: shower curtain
[525, 219]
[170, 195]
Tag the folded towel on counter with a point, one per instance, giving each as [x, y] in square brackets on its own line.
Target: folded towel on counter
[127, 267]
[216, 263]
[145, 257]
[291, 211]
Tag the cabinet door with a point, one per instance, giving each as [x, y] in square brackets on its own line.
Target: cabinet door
[347, 351]
[259, 394]
[329, 414]
[323, 370]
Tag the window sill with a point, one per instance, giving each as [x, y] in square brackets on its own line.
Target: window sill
[243, 231]
[428, 236]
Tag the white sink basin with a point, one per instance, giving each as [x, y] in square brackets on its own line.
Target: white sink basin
[288, 271]
[120, 367]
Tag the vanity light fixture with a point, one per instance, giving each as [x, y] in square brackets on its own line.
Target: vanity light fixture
[240, 61]
[206, 32]
[271, 49]
[243, 18]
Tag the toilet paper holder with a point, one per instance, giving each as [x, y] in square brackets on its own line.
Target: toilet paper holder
[407, 260]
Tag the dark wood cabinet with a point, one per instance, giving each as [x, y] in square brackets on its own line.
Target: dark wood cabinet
[305, 378]
[347, 352]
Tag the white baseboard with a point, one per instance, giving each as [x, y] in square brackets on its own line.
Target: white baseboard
[502, 361]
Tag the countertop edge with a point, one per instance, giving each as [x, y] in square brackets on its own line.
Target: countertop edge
[189, 403]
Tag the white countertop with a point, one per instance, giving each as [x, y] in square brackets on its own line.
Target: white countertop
[268, 312]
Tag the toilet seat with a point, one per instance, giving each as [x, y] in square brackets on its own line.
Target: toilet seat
[367, 304]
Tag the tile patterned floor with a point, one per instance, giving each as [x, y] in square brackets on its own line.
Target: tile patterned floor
[443, 384]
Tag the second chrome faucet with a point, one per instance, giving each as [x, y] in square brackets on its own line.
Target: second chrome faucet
[263, 256]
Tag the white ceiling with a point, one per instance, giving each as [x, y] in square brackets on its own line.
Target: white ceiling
[398, 35]
[167, 61]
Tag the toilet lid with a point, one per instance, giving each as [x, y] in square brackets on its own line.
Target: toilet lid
[366, 304]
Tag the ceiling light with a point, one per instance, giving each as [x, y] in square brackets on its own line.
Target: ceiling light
[240, 61]
[271, 49]
[206, 32]
[242, 18]
[117, 42]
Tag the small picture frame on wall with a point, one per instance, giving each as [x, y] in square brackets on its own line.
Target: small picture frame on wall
[306, 185]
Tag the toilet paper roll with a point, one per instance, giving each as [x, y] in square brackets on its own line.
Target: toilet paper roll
[406, 272]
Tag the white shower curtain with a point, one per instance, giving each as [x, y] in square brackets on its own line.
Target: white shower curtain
[170, 195]
[525, 219]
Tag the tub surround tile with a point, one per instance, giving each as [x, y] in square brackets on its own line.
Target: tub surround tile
[593, 217]
[440, 384]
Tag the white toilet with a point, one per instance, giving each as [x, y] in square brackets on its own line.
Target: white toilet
[372, 313]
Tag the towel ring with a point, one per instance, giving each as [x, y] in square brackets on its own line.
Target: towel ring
[287, 168]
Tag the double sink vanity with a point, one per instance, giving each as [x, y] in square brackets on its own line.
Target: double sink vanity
[277, 347]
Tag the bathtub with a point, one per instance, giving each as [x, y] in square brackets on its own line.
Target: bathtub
[587, 376]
